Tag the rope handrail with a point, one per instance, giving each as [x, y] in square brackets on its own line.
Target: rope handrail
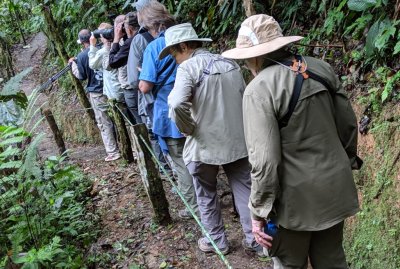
[160, 166]
[203, 229]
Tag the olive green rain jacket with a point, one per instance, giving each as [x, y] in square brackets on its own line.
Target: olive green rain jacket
[304, 170]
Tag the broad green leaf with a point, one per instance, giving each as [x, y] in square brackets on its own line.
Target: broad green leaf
[396, 48]
[361, 5]
[386, 31]
[385, 95]
[371, 37]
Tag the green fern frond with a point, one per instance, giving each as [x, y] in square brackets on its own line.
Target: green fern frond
[31, 166]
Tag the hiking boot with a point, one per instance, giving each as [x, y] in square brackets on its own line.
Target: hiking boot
[253, 247]
[185, 214]
[112, 157]
[208, 248]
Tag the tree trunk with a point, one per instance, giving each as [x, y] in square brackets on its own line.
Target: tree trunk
[54, 33]
[150, 175]
[6, 60]
[54, 128]
[17, 22]
[249, 8]
[124, 140]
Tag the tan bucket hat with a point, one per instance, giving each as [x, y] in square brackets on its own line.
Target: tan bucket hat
[259, 35]
[177, 34]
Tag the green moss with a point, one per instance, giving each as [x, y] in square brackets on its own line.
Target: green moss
[372, 237]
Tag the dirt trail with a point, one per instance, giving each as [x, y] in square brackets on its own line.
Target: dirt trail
[128, 238]
[32, 56]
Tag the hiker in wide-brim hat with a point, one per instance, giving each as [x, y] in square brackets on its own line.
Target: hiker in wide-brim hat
[206, 105]
[301, 135]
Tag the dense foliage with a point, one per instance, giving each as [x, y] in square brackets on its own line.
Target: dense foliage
[45, 222]
[361, 38]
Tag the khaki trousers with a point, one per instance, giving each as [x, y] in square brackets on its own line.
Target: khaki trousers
[105, 124]
[292, 249]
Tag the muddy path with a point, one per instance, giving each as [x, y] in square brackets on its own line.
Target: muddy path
[128, 238]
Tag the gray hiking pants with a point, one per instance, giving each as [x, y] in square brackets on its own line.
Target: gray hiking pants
[131, 99]
[185, 180]
[205, 183]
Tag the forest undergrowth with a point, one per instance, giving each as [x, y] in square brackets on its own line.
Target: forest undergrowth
[44, 219]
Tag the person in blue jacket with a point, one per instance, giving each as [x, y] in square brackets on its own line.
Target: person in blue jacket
[158, 76]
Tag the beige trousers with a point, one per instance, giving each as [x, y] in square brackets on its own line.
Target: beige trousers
[105, 124]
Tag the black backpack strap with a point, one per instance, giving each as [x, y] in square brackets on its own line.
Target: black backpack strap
[283, 122]
[166, 65]
[157, 87]
[322, 81]
[147, 36]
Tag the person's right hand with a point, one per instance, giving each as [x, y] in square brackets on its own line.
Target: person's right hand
[92, 40]
[71, 60]
[118, 33]
[258, 231]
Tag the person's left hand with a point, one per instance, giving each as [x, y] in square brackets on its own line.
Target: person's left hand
[106, 42]
[258, 231]
[92, 40]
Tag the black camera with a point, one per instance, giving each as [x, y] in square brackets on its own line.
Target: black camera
[106, 33]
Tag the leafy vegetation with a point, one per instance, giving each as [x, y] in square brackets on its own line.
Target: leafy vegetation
[44, 208]
[46, 220]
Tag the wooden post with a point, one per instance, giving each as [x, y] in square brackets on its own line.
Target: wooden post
[125, 144]
[54, 32]
[54, 128]
[150, 175]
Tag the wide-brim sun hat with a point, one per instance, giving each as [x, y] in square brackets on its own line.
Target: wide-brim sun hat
[259, 35]
[178, 34]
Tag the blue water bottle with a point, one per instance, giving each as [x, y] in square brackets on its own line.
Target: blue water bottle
[270, 228]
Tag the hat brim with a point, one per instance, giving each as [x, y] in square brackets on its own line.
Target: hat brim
[261, 49]
[165, 50]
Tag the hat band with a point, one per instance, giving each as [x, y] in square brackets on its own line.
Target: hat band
[247, 32]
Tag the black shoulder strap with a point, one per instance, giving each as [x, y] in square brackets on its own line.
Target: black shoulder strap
[322, 81]
[147, 36]
[157, 87]
[166, 66]
[283, 122]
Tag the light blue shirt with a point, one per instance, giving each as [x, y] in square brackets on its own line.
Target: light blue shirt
[156, 71]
